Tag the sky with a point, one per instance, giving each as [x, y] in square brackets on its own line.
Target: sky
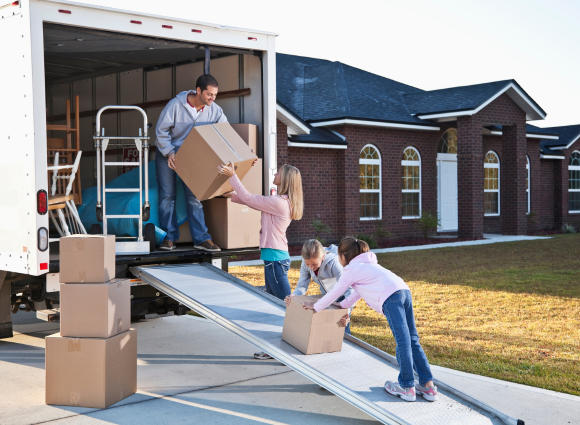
[427, 44]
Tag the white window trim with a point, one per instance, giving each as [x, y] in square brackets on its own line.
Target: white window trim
[573, 168]
[498, 190]
[413, 164]
[380, 190]
[529, 188]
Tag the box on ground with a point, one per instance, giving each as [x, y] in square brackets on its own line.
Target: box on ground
[95, 310]
[205, 148]
[226, 220]
[87, 258]
[313, 333]
[249, 133]
[232, 225]
[91, 372]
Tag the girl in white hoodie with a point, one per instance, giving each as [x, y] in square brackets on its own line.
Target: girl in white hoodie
[387, 294]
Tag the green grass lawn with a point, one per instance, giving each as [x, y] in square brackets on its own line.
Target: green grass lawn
[506, 310]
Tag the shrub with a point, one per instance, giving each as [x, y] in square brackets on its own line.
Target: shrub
[568, 228]
[319, 228]
[532, 222]
[380, 232]
[368, 239]
[428, 223]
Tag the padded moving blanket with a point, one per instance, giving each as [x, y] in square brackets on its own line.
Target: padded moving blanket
[128, 203]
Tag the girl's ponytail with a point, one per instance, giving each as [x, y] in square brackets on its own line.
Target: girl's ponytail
[352, 247]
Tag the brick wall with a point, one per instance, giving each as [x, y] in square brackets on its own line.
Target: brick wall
[543, 188]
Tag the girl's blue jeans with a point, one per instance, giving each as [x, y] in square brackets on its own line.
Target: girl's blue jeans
[276, 276]
[398, 309]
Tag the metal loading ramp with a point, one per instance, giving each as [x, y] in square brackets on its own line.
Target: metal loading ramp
[356, 374]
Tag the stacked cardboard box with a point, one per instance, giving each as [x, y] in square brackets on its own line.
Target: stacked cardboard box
[313, 333]
[232, 225]
[92, 362]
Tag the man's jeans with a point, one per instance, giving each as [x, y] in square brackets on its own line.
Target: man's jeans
[167, 182]
[398, 309]
[276, 276]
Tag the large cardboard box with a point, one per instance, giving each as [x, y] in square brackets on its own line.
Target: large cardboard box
[205, 148]
[95, 310]
[87, 258]
[313, 333]
[91, 372]
[248, 132]
[232, 225]
[221, 222]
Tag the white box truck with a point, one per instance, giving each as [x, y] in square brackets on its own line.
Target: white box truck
[53, 51]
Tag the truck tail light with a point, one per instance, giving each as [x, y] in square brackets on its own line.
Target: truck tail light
[43, 266]
[42, 239]
[68, 12]
[41, 202]
[15, 3]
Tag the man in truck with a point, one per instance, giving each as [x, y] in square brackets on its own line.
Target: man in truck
[187, 110]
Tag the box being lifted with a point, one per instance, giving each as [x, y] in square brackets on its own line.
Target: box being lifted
[313, 333]
[205, 148]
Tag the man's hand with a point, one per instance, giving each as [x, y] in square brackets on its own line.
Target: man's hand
[228, 194]
[171, 161]
[288, 299]
[254, 163]
[308, 306]
[228, 170]
[345, 320]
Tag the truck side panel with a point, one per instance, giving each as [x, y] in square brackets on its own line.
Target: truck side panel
[22, 161]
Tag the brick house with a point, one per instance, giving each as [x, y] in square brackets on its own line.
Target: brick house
[370, 148]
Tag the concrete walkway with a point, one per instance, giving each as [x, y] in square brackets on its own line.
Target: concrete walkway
[192, 371]
[489, 238]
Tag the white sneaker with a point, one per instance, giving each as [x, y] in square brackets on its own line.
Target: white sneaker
[407, 394]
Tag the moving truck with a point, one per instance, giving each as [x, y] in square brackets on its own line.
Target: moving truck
[53, 51]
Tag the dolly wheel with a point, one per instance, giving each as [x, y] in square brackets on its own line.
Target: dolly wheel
[99, 211]
[96, 229]
[149, 236]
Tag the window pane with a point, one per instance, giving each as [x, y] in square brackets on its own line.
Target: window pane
[375, 171]
[574, 201]
[369, 205]
[574, 179]
[410, 204]
[362, 183]
[361, 170]
[490, 202]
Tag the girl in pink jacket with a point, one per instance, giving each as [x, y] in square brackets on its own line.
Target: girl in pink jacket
[277, 214]
[387, 294]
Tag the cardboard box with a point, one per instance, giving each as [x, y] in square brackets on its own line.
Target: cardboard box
[232, 225]
[205, 148]
[248, 132]
[313, 333]
[220, 224]
[87, 258]
[91, 372]
[95, 310]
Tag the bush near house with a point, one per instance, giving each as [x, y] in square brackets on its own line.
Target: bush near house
[508, 310]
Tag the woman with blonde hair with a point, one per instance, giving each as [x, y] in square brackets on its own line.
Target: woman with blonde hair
[277, 214]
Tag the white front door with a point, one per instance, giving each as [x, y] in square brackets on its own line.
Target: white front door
[447, 191]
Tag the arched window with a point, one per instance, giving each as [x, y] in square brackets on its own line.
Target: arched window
[411, 167]
[491, 184]
[528, 181]
[448, 142]
[370, 183]
[574, 183]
